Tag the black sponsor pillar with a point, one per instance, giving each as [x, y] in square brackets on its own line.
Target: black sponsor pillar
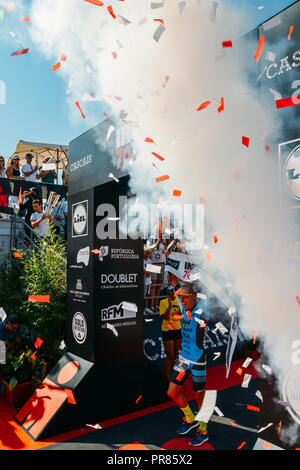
[104, 366]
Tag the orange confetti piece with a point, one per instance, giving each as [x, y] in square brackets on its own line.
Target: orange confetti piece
[108, 117]
[177, 317]
[227, 44]
[114, 54]
[188, 313]
[202, 200]
[253, 408]
[63, 57]
[110, 10]
[170, 327]
[178, 291]
[290, 32]
[20, 200]
[78, 106]
[17, 254]
[176, 193]
[160, 20]
[96, 251]
[266, 445]
[232, 423]
[267, 148]
[39, 298]
[260, 47]
[138, 399]
[33, 355]
[26, 19]
[203, 105]
[159, 226]
[180, 375]
[216, 238]
[148, 139]
[158, 156]
[10, 7]
[241, 445]
[239, 371]
[279, 427]
[254, 336]
[167, 220]
[298, 299]
[166, 81]
[182, 245]
[56, 67]
[22, 51]
[245, 141]
[38, 343]
[70, 396]
[221, 105]
[208, 255]
[95, 2]
[162, 178]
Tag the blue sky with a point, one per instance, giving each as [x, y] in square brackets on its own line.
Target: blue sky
[36, 107]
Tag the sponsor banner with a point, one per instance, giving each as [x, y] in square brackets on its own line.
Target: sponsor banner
[79, 327]
[182, 266]
[80, 219]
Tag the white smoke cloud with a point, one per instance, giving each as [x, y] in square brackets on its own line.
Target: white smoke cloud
[203, 150]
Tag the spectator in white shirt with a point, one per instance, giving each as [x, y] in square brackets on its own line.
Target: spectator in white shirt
[39, 220]
[28, 170]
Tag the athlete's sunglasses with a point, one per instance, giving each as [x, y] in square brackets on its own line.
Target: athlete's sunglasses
[185, 296]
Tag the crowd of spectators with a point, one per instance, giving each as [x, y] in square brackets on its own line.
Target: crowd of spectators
[32, 208]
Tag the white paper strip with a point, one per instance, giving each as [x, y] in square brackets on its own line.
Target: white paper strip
[123, 20]
[201, 296]
[2, 314]
[270, 56]
[2, 352]
[259, 395]
[262, 429]
[113, 177]
[158, 32]
[62, 345]
[276, 94]
[231, 311]
[112, 328]
[221, 327]
[267, 368]
[109, 132]
[95, 426]
[129, 306]
[207, 407]
[272, 23]
[218, 411]
[247, 362]
[48, 166]
[213, 11]
[246, 380]
[217, 354]
[157, 5]
[181, 7]
[152, 268]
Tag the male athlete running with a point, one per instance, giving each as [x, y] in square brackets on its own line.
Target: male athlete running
[191, 360]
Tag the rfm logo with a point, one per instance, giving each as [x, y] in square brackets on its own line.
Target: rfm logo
[2, 92]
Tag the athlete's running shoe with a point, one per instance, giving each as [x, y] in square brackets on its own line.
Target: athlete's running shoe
[187, 427]
[199, 439]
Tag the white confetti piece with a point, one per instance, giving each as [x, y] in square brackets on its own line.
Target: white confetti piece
[201, 296]
[152, 268]
[62, 344]
[217, 354]
[95, 426]
[113, 219]
[218, 411]
[181, 7]
[272, 23]
[2, 352]
[267, 369]
[213, 11]
[123, 20]
[129, 118]
[113, 177]
[247, 361]
[2, 314]
[270, 56]
[261, 7]
[90, 97]
[221, 327]
[148, 319]
[231, 310]
[259, 395]
[246, 380]
[158, 32]
[266, 427]
[157, 5]
[276, 94]
[261, 74]
[109, 132]
[131, 307]
[207, 407]
[112, 328]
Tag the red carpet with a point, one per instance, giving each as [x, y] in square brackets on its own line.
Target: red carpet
[12, 437]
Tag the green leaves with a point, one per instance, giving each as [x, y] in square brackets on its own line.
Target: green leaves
[12, 383]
